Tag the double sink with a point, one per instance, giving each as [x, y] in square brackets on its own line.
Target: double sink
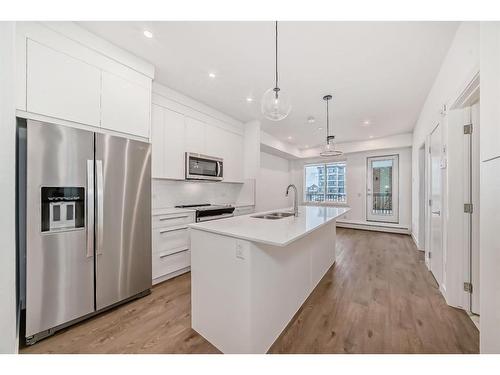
[274, 215]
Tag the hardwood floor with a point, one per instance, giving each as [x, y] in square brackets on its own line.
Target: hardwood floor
[378, 298]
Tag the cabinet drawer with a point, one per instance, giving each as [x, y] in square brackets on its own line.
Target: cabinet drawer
[165, 239]
[165, 264]
[173, 220]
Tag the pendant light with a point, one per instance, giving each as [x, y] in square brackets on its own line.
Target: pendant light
[329, 148]
[275, 105]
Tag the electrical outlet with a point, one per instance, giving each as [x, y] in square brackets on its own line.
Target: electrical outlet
[240, 252]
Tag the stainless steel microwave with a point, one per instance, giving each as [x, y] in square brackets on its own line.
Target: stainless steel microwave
[203, 167]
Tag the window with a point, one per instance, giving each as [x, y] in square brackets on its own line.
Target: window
[325, 183]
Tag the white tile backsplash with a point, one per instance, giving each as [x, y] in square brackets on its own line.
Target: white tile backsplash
[170, 193]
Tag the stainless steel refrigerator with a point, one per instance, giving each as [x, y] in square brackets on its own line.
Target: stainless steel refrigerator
[87, 224]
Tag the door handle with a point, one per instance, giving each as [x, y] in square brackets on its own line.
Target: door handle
[436, 213]
[90, 208]
[100, 206]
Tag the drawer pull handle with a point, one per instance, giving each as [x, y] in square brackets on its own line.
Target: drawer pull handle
[173, 230]
[175, 252]
[172, 218]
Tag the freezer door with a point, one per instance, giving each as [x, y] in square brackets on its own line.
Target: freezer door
[123, 219]
[59, 225]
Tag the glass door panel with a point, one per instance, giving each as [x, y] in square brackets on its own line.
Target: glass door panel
[382, 189]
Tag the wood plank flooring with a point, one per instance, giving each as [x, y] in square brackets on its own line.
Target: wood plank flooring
[378, 298]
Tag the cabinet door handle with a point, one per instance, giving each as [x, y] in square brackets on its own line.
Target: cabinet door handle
[172, 218]
[173, 230]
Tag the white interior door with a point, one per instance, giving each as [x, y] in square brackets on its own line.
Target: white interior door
[383, 189]
[436, 226]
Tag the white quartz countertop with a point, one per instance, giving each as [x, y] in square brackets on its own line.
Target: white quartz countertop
[280, 232]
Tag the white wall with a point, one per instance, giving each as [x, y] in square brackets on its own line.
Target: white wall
[8, 326]
[170, 193]
[356, 165]
[459, 66]
[490, 182]
[274, 177]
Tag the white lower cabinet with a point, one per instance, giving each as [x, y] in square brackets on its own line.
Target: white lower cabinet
[171, 245]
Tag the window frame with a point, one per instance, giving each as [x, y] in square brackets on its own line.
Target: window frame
[324, 202]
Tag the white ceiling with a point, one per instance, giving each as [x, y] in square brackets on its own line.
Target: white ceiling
[376, 71]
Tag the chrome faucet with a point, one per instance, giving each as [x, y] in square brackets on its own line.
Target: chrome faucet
[295, 199]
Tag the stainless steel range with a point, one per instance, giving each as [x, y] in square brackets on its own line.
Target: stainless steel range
[206, 211]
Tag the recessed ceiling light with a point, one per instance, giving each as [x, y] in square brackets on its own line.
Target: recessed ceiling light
[148, 34]
[320, 128]
[306, 146]
[289, 137]
[311, 120]
[366, 122]
[371, 136]
[211, 75]
[249, 99]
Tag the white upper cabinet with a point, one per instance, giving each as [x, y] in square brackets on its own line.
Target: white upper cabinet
[174, 145]
[61, 86]
[233, 159]
[195, 133]
[70, 76]
[157, 142]
[125, 106]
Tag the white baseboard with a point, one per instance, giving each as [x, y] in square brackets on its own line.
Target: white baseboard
[416, 242]
[378, 227]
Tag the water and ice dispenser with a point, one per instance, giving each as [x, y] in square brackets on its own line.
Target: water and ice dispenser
[63, 208]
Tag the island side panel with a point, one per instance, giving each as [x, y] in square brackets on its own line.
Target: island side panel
[220, 291]
[323, 255]
[281, 280]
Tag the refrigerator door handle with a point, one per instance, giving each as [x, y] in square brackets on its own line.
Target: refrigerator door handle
[90, 208]
[100, 206]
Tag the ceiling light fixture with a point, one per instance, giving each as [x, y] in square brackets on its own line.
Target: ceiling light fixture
[249, 99]
[329, 148]
[311, 120]
[148, 34]
[275, 105]
[289, 137]
[211, 75]
[366, 122]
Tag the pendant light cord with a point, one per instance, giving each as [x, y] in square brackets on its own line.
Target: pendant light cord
[327, 123]
[276, 53]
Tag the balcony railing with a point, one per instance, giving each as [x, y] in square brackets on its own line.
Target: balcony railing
[382, 203]
[328, 197]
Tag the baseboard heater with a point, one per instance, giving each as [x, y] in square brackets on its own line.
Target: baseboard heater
[374, 227]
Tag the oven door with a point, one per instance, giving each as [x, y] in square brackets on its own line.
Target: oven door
[202, 167]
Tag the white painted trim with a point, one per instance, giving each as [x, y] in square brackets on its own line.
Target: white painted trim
[378, 227]
[416, 242]
[171, 275]
[77, 125]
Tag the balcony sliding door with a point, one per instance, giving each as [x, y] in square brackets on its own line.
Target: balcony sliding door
[382, 189]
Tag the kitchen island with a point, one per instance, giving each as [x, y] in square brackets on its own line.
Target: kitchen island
[250, 274]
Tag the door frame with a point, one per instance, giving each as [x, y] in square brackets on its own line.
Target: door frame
[395, 187]
[458, 297]
[428, 233]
